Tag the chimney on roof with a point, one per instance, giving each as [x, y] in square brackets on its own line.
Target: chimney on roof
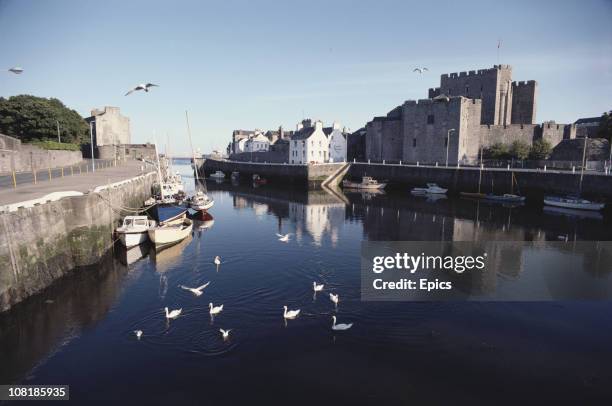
[318, 125]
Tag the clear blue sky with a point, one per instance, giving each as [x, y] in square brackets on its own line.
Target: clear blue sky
[261, 64]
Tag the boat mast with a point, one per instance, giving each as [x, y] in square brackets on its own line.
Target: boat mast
[582, 166]
[195, 165]
[159, 177]
[480, 169]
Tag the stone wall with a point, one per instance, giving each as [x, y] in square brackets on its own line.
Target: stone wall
[41, 244]
[15, 156]
[110, 127]
[524, 102]
[262, 156]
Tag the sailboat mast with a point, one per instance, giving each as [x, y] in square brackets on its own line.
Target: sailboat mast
[159, 177]
[195, 165]
[582, 166]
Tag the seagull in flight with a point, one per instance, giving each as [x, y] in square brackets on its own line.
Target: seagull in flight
[142, 86]
[421, 70]
[16, 70]
[196, 291]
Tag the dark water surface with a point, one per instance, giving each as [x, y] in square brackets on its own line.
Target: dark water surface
[80, 331]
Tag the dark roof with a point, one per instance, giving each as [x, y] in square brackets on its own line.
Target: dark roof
[303, 134]
[588, 120]
[328, 130]
[280, 141]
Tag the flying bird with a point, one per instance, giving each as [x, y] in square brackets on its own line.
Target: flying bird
[421, 70]
[196, 291]
[16, 70]
[225, 333]
[142, 86]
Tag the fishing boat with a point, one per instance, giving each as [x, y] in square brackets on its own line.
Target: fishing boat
[166, 214]
[133, 230]
[217, 175]
[432, 188]
[573, 202]
[168, 234]
[367, 182]
[201, 201]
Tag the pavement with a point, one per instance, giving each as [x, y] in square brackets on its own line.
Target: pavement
[83, 182]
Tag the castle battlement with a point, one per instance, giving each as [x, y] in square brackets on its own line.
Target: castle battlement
[524, 83]
[479, 72]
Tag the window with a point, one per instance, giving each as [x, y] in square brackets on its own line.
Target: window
[467, 90]
[430, 119]
[295, 143]
[414, 143]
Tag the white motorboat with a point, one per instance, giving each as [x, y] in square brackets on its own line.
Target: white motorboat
[217, 175]
[432, 188]
[572, 202]
[169, 234]
[201, 201]
[134, 230]
[367, 182]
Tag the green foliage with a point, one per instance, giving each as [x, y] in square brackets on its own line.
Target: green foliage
[605, 126]
[31, 118]
[540, 149]
[496, 151]
[57, 145]
[520, 150]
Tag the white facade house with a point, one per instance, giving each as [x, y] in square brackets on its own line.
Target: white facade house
[240, 146]
[337, 144]
[257, 143]
[309, 144]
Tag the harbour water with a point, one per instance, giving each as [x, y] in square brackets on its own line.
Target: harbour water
[80, 331]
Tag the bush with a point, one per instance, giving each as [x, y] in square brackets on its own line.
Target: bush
[46, 144]
[540, 149]
[520, 150]
[496, 151]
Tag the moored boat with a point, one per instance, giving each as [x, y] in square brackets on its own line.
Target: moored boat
[506, 197]
[134, 230]
[573, 202]
[217, 175]
[168, 234]
[235, 175]
[367, 182]
[201, 201]
[432, 188]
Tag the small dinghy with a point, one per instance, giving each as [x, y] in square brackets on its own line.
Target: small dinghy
[166, 235]
[134, 229]
[432, 188]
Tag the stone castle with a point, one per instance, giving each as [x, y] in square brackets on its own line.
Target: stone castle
[469, 111]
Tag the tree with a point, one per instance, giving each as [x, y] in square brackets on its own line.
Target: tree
[540, 149]
[519, 150]
[605, 126]
[31, 118]
[496, 151]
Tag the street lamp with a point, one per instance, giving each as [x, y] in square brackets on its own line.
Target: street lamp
[448, 143]
[93, 159]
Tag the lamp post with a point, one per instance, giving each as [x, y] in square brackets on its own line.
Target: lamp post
[58, 132]
[93, 159]
[448, 143]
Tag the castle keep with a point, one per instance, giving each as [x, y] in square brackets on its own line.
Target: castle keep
[468, 111]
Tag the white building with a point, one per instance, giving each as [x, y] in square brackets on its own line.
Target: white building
[257, 143]
[337, 144]
[309, 144]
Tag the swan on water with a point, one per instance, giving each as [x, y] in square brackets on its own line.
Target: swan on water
[217, 260]
[138, 333]
[283, 237]
[173, 314]
[196, 291]
[340, 326]
[215, 309]
[290, 314]
[317, 288]
[334, 298]
[225, 333]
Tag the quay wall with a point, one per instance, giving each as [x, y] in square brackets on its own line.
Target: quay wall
[533, 183]
[18, 157]
[39, 245]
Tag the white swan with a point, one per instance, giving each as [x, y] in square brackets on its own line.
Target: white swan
[290, 314]
[174, 313]
[217, 260]
[225, 333]
[340, 326]
[138, 333]
[215, 309]
[196, 291]
[283, 238]
[317, 288]
[334, 298]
